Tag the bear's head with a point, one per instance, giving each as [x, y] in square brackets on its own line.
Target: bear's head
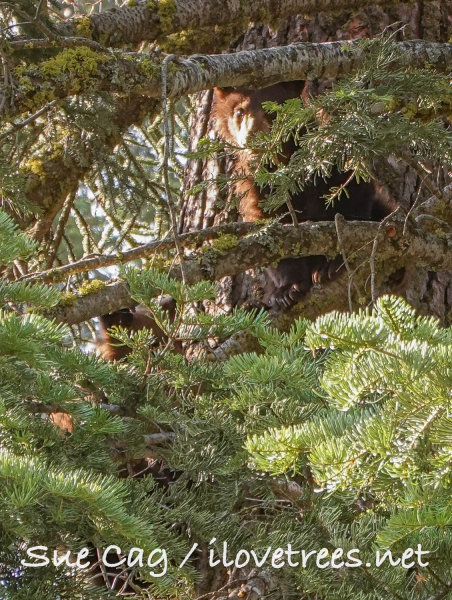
[238, 112]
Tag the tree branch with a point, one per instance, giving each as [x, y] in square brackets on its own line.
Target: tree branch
[155, 21]
[17, 126]
[442, 593]
[61, 42]
[195, 238]
[250, 68]
[396, 249]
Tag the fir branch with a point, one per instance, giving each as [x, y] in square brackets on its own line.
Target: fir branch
[113, 409]
[17, 245]
[36, 21]
[446, 587]
[442, 593]
[23, 293]
[51, 197]
[65, 213]
[30, 119]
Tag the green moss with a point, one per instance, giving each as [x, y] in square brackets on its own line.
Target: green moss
[219, 246]
[57, 151]
[274, 244]
[347, 48]
[56, 276]
[104, 38]
[296, 249]
[203, 39]
[80, 63]
[20, 70]
[83, 27]
[196, 241]
[179, 43]
[392, 104]
[148, 68]
[225, 242]
[263, 16]
[68, 299]
[39, 99]
[91, 287]
[409, 111]
[5, 47]
[132, 3]
[25, 84]
[166, 12]
[36, 166]
[441, 234]
[158, 263]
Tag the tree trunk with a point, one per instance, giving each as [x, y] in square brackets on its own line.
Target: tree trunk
[430, 292]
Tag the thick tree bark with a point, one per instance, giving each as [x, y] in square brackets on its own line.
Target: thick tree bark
[430, 292]
[154, 21]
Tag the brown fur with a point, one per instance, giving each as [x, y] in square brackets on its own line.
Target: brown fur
[239, 113]
[63, 421]
[107, 345]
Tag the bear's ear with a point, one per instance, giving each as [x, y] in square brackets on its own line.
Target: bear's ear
[310, 90]
[120, 318]
[169, 305]
[223, 93]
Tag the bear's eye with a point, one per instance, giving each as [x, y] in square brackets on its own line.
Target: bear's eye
[240, 113]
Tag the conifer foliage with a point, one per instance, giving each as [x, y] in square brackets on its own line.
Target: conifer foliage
[347, 449]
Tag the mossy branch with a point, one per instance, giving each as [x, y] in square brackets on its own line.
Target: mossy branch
[144, 251]
[74, 72]
[401, 244]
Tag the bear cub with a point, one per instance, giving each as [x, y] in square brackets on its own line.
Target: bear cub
[238, 113]
[108, 346]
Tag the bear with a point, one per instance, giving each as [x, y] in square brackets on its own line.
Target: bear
[238, 113]
[107, 345]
